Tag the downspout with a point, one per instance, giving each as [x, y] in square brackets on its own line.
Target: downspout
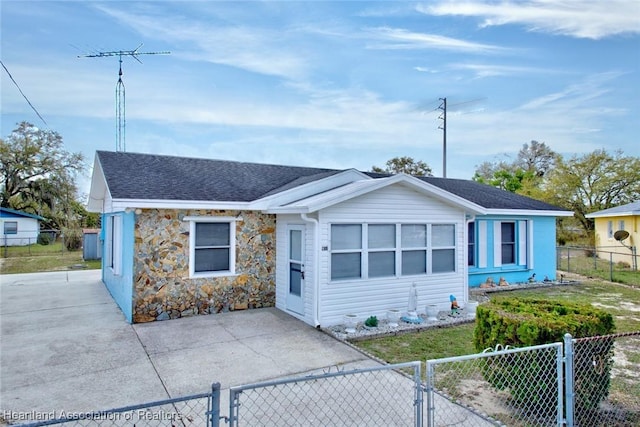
[316, 267]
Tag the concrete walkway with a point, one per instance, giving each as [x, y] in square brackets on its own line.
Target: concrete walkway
[65, 345]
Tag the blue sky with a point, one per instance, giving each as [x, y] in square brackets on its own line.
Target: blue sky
[346, 84]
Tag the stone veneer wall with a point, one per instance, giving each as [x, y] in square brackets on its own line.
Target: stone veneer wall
[162, 287]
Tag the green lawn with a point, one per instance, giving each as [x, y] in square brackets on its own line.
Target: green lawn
[622, 301]
[37, 258]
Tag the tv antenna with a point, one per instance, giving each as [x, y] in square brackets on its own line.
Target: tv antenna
[120, 92]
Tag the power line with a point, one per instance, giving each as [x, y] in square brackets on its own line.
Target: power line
[22, 93]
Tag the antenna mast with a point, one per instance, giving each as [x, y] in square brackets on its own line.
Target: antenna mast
[120, 92]
[443, 117]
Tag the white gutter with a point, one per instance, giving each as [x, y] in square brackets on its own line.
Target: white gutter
[316, 267]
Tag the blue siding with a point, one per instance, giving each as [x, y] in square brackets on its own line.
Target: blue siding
[121, 285]
[543, 247]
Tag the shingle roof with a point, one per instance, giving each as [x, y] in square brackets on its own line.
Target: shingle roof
[158, 177]
[149, 176]
[632, 208]
[487, 196]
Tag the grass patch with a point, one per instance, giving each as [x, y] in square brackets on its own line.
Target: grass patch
[622, 301]
[39, 258]
[426, 344]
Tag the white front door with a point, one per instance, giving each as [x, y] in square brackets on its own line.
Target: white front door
[295, 264]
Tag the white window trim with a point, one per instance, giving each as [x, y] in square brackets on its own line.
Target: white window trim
[193, 220]
[364, 250]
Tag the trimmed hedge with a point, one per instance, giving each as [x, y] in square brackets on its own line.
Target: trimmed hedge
[523, 322]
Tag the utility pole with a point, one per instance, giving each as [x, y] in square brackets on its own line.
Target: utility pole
[120, 92]
[443, 117]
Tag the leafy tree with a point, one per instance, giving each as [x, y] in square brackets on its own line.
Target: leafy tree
[593, 182]
[523, 175]
[406, 165]
[36, 173]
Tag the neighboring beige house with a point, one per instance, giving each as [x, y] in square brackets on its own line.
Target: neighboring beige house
[608, 222]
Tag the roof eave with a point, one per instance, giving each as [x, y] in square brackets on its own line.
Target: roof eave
[529, 212]
[122, 204]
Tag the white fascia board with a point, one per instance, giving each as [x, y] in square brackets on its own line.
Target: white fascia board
[528, 212]
[309, 190]
[122, 204]
[612, 214]
[98, 191]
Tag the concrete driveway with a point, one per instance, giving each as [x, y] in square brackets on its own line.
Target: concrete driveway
[66, 346]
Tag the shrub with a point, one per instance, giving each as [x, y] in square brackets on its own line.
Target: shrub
[72, 238]
[522, 322]
[44, 239]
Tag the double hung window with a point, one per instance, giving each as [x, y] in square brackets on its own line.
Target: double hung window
[212, 246]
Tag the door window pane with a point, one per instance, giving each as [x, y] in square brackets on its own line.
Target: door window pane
[382, 264]
[382, 236]
[346, 236]
[414, 235]
[295, 245]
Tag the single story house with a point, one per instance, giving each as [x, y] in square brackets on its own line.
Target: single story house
[620, 218]
[19, 228]
[185, 236]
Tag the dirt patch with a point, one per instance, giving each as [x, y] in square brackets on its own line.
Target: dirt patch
[480, 396]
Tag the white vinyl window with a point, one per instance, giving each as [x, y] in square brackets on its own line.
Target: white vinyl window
[211, 246]
[414, 249]
[390, 250]
[610, 229]
[508, 234]
[443, 248]
[382, 250]
[346, 251]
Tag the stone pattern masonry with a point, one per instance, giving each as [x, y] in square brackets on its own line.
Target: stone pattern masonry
[162, 287]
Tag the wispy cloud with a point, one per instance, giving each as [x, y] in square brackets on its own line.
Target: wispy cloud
[495, 70]
[593, 19]
[260, 50]
[397, 38]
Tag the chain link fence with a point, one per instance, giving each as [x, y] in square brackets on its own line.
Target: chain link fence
[584, 382]
[514, 387]
[194, 410]
[604, 377]
[378, 396]
[613, 264]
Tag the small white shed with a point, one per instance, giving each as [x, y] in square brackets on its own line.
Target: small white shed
[18, 228]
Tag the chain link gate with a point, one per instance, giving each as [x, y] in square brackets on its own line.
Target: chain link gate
[513, 386]
[195, 410]
[379, 396]
[603, 380]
